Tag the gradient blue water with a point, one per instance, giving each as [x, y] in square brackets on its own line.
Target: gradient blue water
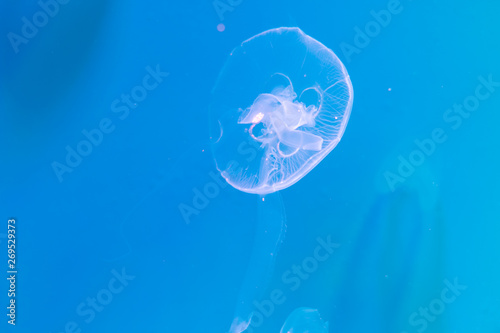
[119, 208]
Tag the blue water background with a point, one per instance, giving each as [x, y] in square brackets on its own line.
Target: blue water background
[119, 208]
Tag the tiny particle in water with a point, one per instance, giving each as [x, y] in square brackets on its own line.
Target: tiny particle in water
[221, 27]
[390, 89]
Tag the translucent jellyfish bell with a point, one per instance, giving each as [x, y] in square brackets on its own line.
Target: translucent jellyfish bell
[280, 105]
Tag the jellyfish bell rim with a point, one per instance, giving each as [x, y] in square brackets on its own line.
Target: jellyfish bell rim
[280, 29]
[268, 189]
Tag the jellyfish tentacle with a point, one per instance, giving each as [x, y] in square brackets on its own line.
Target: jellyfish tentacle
[269, 235]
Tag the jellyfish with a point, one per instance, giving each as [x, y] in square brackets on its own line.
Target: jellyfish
[304, 320]
[280, 105]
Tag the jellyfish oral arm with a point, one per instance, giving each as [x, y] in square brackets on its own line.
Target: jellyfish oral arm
[271, 228]
[262, 106]
[302, 140]
[281, 118]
